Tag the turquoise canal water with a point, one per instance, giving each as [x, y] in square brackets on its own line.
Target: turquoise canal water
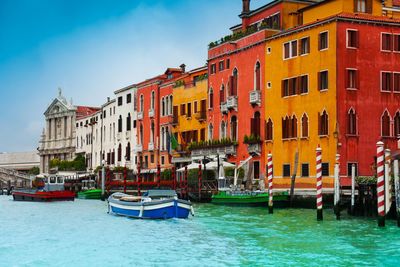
[81, 233]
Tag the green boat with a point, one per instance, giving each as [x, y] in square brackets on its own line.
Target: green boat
[250, 198]
[90, 194]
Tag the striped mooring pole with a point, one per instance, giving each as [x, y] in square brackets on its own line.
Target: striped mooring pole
[199, 182]
[158, 176]
[380, 183]
[388, 181]
[180, 184]
[353, 188]
[139, 180]
[397, 189]
[173, 178]
[108, 181]
[319, 183]
[270, 193]
[336, 196]
[125, 179]
[186, 192]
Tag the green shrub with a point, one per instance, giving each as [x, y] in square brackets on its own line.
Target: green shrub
[34, 170]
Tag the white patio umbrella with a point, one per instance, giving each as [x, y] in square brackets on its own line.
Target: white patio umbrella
[189, 167]
[214, 165]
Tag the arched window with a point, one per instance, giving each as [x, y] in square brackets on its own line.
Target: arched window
[170, 105]
[397, 124]
[141, 133]
[386, 124]
[269, 130]
[222, 94]
[113, 157]
[233, 83]
[211, 98]
[323, 128]
[255, 124]
[141, 103]
[234, 128]
[163, 106]
[119, 152]
[304, 125]
[153, 97]
[152, 132]
[128, 122]
[257, 77]
[128, 152]
[222, 132]
[352, 122]
[166, 133]
[293, 128]
[120, 124]
[162, 138]
[135, 102]
[210, 131]
[286, 127]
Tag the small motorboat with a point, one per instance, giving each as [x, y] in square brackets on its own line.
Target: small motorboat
[155, 204]
[53, 190]
[89, 191]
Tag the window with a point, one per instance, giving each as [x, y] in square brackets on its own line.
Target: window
[162, 160]
[153, 97]
[386, 80]
[360, 6]
[268, 50]
[290, 87]
[234, 128]
[323, 41]
[128, 152]
[152, 128]
[305, 170]
[396, 45]
[323, 80]
[189, 110]
[385, 120]
[352, 39]
[119, 152]
[162, 107]
[293, 127]
[349, 169]
[286, 170]
[120, 124]
[152, 158]
[119, 101]
[222, 94]
[134, 124]
[323, 123]
[195, 107]
[352, 80]
[203, 134]
[257, 77]
[128, 122]
[128, 98]
[396, 86]
[233, 83]
[396, 122]
[268, 130]
[305, 46]
[141, 134]
[256, 169]
[285, 127]
[210, 131]
[255, 124]
[386, 42]
[183, 109]
[303, 83]
[141, 103]
[135, 102]
[290, 49]
[228, 61]
[211, 99]
[222, 132]
[352, 122]
[325, 168]
[213, 68]
[221, 65]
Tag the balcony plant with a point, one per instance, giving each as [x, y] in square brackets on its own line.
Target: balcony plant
[252, 139]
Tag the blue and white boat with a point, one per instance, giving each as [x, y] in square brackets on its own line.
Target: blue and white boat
[155, 204]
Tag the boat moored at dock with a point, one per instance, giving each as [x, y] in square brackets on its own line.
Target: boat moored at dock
[249, 198]
[155, 204]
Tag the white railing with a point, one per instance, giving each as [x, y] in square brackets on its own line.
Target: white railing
[224, 107]
[151, 113]
[255, 97]
[140, 115]
[232, 102]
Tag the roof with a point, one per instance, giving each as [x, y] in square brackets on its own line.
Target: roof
[83, 111]
[262, 8]
[321, 3]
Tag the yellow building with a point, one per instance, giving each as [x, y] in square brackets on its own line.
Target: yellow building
[189, 111]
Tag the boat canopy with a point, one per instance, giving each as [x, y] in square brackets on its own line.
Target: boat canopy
[161, 193]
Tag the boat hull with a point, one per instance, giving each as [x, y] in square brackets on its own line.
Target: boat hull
[45, 196]
[164, 209]
[91, 194]
[259, 200]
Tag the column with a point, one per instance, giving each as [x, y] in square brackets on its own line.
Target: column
[47, 137]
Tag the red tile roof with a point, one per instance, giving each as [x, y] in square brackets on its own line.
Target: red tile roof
[82, 111]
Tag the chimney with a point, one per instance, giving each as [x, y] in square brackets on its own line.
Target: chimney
[246, 6]
[108, 99]
[182, 66]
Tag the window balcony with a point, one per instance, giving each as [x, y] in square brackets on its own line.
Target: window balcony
[254, 147]
[232, 102]
[201, 116]
[174, 120]
[210, 150]
[255, 97]
[224, 107]
[151, 113]
[140, 115]
[139, 148]
[151, 146]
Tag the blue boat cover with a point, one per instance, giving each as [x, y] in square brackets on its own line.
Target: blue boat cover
[161, 193]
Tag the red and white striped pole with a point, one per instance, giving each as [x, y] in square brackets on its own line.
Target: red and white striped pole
[158, 176]
[388, 181]
[319, 183]
[199, 182]
[124, 179]
[173, 178]
[380, 183]
[186, 184]
[180, 184]
[336, 198]
[108, 181]
[139, 180]
[270, 193]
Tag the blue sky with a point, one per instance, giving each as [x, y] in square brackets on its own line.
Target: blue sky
[92, 48]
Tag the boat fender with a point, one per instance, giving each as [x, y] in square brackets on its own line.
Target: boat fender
[108, 207]
[141, 211]
[192, 210]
